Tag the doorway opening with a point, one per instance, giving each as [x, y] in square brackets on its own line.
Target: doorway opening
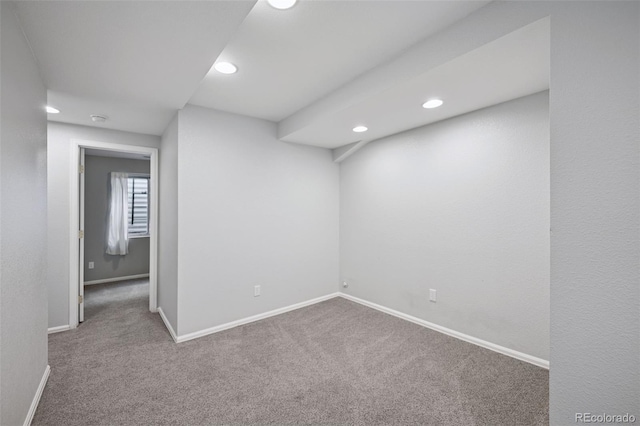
[113, 216]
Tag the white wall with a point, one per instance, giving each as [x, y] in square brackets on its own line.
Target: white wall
[595, 190]
[460, 206]
[168, 225]
[595, 205]
[23, 168]
[253, 211]
[58, 185]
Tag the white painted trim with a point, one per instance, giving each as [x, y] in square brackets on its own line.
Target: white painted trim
[116, 279]
[154, 178]
[80, 267]
[37, 396]
[74, 218]
[74, 256]
[470, 339]
[232, 324]
[58, 329]
[168, 325]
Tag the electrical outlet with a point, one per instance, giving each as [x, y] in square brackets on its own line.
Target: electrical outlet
[256, 291]
[91, 265]
[432, 295]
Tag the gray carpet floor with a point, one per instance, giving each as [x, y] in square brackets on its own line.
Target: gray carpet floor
[335, 363]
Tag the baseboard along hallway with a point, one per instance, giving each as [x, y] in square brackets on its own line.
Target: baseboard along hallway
[335, 362]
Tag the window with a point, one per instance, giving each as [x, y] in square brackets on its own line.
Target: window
[138, 213]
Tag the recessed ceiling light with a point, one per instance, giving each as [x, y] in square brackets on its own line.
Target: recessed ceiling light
[360, 129]
[282, 4]
[52, 110]
[225, 67]
[433, 103]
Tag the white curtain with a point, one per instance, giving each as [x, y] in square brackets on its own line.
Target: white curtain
[117, 226]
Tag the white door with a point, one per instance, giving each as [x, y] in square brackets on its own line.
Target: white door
[81, 240]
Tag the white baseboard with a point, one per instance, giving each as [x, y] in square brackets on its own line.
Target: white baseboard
[470, 339]
[113, 280]
[168, 325]
[232, 324]
[37, 396]
[58, 329]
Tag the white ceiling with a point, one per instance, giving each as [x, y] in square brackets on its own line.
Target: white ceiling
[288, 59]
[510, 67]
[138, 62]
[122, 114]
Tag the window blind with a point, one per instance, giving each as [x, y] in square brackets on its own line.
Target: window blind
[138, 213]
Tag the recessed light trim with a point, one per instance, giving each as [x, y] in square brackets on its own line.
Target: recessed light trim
[52, 110]
[282, 4]
[432, 103]
[225, 67]
[360, 129]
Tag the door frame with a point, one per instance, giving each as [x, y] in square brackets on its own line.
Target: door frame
[81, 197]
[74, 220]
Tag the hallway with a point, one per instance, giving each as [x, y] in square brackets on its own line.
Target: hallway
[111, 347]
[104, 302]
